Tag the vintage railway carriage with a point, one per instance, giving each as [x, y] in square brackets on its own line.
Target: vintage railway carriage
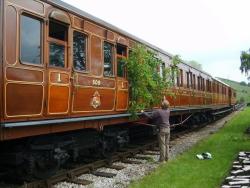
[62, 76]
[192, 88]
[58, 64]
[196, 89]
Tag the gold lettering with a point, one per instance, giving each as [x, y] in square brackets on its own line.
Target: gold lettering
[96, 82]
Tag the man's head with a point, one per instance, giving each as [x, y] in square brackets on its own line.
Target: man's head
[165, 104]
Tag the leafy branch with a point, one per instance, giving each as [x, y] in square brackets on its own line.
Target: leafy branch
[147, 85]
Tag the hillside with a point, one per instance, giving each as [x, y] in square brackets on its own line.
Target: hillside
[242, 91]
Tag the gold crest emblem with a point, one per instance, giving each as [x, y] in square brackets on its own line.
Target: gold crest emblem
[96, 100]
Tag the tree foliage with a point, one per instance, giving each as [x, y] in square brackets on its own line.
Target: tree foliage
[245, 62]
[243, 83]
[195, 64]
[147, 86]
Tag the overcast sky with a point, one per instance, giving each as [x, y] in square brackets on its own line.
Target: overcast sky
[211, 32]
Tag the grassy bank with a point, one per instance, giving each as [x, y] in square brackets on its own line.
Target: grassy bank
[188, 172]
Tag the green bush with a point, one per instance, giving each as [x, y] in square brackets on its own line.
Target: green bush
[147, 86]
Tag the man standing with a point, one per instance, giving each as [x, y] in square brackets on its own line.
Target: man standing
[160, 117]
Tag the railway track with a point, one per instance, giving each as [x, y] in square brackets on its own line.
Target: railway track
[72, 175]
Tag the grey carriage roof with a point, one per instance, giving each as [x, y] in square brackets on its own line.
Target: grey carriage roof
[99, 21]
[218, 80]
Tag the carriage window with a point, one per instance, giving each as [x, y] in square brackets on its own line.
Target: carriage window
[194, 82]
[187, 75]
[58, 31]
[121, 54]
[79, 51]
[191, 79]
[58, 43]
[108, 59]
[178, 80]
[181, 77]
[30, 40]
[57, 54]
[162, 67]
[121, 50]
[203, 84]
[209, 86]
[121, 68]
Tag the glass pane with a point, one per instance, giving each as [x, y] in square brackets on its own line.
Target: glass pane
[79, 50]
[108, 59]
[30, 40]
[56, 55]
[120, 68]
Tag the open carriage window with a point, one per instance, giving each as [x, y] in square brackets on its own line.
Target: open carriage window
[79, 51]
[30, 40]
[108, 59]
[57, 30]
[58, 33]
[121, 50]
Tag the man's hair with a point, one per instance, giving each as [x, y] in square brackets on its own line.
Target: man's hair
[165, 104]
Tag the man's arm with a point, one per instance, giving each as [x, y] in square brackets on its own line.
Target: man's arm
[153, 115]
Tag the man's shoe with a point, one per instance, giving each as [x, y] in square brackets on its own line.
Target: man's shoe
[162, 161]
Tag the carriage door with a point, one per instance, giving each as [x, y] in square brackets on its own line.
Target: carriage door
[122, 83]
[58, 64]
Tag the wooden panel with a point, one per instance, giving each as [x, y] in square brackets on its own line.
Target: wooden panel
[19, 74]
[184, 100]
[11, 35]
[58, 77]
[58, 99]
[122, 95]
[83, 97]
[79, 23]
[110, 36]
[131, 43]
[32, 5]
[23, 99]
[177, 99]
[171, 100]
[122, 40]
[122, 100]
[96, 56]
[94, 29]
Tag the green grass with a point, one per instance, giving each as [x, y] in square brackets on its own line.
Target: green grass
[188, 172]
[242, 91]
